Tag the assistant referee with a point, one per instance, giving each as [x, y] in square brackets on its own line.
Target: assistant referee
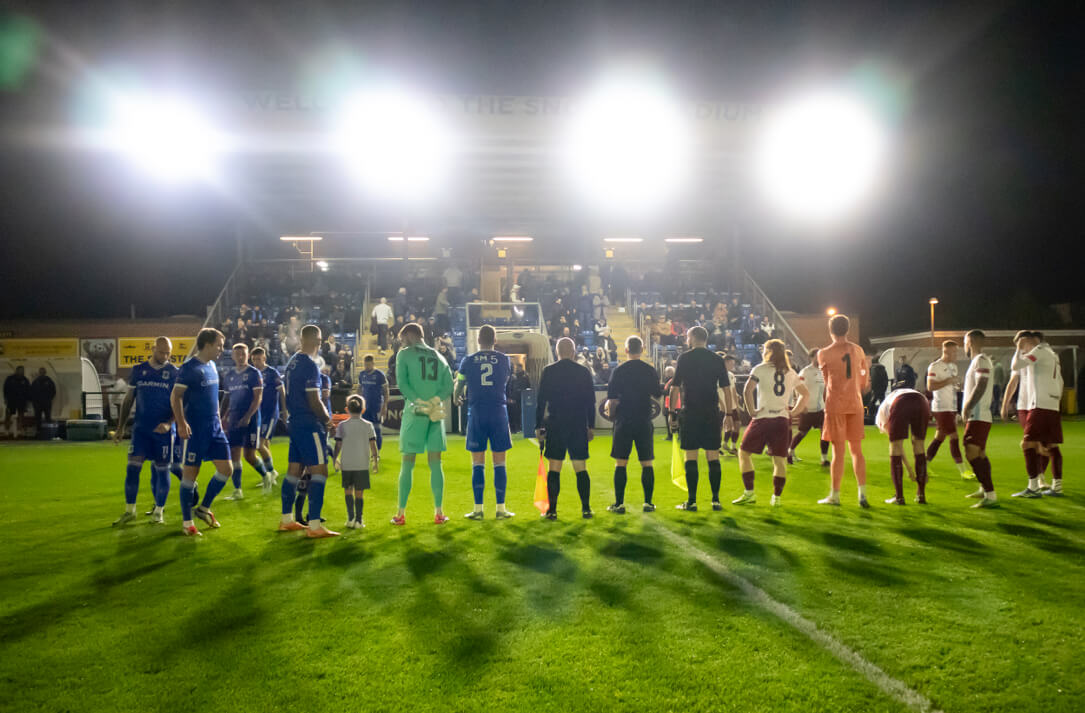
[566, 414]
[633, 385]
[698, 374]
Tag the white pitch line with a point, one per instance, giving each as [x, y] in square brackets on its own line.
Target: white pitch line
[895, 688]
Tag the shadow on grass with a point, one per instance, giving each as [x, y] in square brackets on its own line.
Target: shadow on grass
[1043, 539]
[862, 569]
[945, 539]
[861, 545]
[633, 552]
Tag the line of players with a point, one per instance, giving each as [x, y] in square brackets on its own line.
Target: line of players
[185, 401]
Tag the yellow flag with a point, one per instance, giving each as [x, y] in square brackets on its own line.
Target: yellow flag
[542, 497]
[678, 465]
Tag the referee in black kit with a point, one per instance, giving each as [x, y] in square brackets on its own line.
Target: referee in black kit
[633, 385]
[566, 412]
[698, 374]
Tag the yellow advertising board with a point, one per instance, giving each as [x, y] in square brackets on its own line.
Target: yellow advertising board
[133, 350]
[38, 348]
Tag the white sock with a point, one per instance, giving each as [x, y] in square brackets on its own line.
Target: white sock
[962, 467]
[288, 517]
[1056, 485]
[749, 492]
[478, 507]
[158, 510]
[1033, 483]
[991, 496]
[862, 491]
[834, 493]
[130, 508]
[188, 523]
[238, 491]
[500, 507]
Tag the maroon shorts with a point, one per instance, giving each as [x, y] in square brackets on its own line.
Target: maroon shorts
[976, 432]
[772, 432]
[1044, 426]
[946, 422]
[1022, 416]
[909, 413]
[812, 419]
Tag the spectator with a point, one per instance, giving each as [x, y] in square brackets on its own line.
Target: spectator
[16, 398]
[905, 375]
[383, 314]
[346, 364]
[400, 305]
[518, 384]
[440, 311]
[879, 384]
[453, 278]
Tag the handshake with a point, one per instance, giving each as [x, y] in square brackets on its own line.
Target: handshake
[433, 407]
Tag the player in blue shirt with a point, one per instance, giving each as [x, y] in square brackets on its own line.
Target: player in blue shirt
[485, 375]
[149, 389]
[373, 388]
[271, 405]
[308, 425]
[195, 403]
[241, 417]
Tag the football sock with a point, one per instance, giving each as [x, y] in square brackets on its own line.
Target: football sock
[955, 450]
[648, 482]
[896, 470]
[1056, 462]
[406, 477]
[1043, 463]
[862, 491]
[553, 487]
[176, 469]
[259, 467]
[715, 478]
[778, 485]
[982, 468]
[932, 449]
[824, 450]
[377, 433]
[359, 503]
[214, 488]
[797, 439]
[289, 492]
[691, 480]
[620, 478]
[921, 474]
[316, 496]
[350, 506]
[501, 482]
[186, 499]
[747, 481]
[163, 490]
[437, 482]
[299, 505]
[235, 477]
[478, 483]
[583, 488]
[269, 464]
[131, 483]
[1032, 465]
[734, 438]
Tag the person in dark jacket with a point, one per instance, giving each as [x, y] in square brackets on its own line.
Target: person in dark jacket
[566, 417]
[42, 392]
[879, 384]
[905, 376]
[16, 398]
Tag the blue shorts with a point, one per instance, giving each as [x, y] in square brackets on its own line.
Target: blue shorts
[308, 443]
[205, 446]
[155, 447]
[245, 436]
[488, 424]
[268, 423]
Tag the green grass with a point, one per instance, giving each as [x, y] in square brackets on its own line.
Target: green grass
[977, 610]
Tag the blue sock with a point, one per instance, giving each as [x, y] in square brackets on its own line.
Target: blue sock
[131, 483]
[213, 489]
[377, 433]
[154, 483]
[186, 499]
[258, 466]
[478, 482]
[289, 493]
[316, 496]
[162, 491]
[175, 468]
[269, 464]
[236, 477]
[501, 480]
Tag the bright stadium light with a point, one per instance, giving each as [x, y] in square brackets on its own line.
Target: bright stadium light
[300, 238]
[683, 240]
[165, 136]
[623, 240]
[410, 239]
[512, 239]
[831, 311]
[819, 156]
[395, 144]
[628, 147]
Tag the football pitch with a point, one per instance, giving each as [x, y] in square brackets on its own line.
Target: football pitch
[797, 608]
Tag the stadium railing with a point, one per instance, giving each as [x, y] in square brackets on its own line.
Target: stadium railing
[757, 296]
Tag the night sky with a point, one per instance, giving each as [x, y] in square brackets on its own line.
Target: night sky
[983, 207]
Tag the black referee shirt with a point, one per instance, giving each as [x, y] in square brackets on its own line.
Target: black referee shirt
[566, 397]
[699, 372]
[634, 383]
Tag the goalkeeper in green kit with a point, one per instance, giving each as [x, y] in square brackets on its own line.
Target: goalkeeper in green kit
[425, 381]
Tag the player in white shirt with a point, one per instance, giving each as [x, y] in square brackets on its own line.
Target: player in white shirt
[905, 412]
[774, 382]
[942, 383]
[814, 415]
[1021, 387]
[976, 413]
[355, 449]
[730, 423]
[1039, 366]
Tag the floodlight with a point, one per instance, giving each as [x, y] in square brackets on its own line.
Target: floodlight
[410, 239]
[322, 264]
[512, 239]
[300, 238]
[623, 240]
[819, 156]
[628, 147]
[395, 143]
[933, 300]
[683, 240]
[166, 136]
[831, 311]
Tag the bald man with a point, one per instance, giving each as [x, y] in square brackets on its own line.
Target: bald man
[566, 417]
[153, 434]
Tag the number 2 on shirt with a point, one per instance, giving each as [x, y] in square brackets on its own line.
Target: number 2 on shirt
[486, 372]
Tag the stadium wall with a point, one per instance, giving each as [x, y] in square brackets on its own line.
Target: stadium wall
[813, 329]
